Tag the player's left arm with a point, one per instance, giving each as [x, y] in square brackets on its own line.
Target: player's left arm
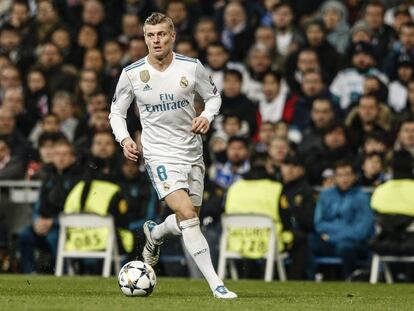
[204, 86]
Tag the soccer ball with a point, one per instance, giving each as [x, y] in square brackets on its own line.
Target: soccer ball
[136, 278]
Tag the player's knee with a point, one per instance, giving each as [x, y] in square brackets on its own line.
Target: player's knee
[186, 213]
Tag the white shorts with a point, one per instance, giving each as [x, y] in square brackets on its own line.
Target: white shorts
[167, 178]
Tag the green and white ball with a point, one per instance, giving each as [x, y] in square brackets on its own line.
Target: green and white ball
[137, 278]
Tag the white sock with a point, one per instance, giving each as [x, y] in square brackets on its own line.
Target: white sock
[196, 244]
[168, 227]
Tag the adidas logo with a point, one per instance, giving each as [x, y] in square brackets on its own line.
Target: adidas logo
[147, 88]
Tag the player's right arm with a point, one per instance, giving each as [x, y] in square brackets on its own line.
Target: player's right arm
[121, 101]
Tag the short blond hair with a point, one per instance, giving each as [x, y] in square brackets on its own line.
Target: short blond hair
[158, 18]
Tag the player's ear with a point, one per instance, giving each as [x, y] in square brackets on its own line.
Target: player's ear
[173, 36]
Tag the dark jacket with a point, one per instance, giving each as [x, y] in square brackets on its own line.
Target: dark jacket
[141, 198]
[297, 206]
[14, 169]
[242, 107]
[55, 188]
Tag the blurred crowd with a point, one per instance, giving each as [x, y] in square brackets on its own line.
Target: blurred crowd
[316, 95]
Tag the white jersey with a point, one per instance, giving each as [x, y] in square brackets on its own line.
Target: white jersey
[166, 104]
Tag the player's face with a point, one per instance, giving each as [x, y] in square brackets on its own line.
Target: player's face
[159, 39]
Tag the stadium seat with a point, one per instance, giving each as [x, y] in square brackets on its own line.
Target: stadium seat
[271, 255]
[377, 260]
[87, 221]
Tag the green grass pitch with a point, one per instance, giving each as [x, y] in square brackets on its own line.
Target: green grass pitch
[18, 292]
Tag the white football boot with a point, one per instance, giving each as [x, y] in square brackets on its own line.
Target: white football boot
[151, 251]
[222, 292]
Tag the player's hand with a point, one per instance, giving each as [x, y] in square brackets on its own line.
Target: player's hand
[130, 149]
[200, 125]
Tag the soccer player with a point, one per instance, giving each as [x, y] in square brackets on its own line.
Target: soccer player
[163, 86]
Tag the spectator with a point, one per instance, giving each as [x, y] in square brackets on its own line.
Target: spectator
[348, 83]
[312, 87]
[360, 32]
[50, 123]
[405, 45]
[276, 95]
[372, 170]
[87, 38]
[46, 21]
[401, 16]
[62, 107]
[369, 116]
[96, 102]
[334, 16]
[43, 233]
[37, 98]
[236, 35]
[178, 12]
[234, 101]
[137, 49]
[288, 37]
[38, 168]
[97, 122]
[205, 33]
[237, 163]
[265, 136]
[12, 135]
[232, 125]
[279, 149]
[93, 14]
[12, 46]
[258, 63]
[9, 78]
[62, 38]
[321, 116]
[320, 162]
[398, 93]
[11, 167]
[14, 101]
[297, 64]
[265, 35]
[343, 220]
[375, 143]
[58, 77]
[185, 47]
[112, 71]
[409, 107]
[93, 60]
[103, 157]
[87, 85]
[384, 35]
[296, 210]
[315, 39]
[405, 136]
[131, 28]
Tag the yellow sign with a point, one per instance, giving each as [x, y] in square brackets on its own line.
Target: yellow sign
[90, 239]
[248, 242]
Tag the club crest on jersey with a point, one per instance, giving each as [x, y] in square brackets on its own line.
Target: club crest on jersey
[184, 82]
[144, 76]
[166, 186]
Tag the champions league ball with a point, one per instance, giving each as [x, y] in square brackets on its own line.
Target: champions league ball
[136, 278]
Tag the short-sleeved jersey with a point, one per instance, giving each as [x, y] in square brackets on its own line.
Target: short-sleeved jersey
[166, 106]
